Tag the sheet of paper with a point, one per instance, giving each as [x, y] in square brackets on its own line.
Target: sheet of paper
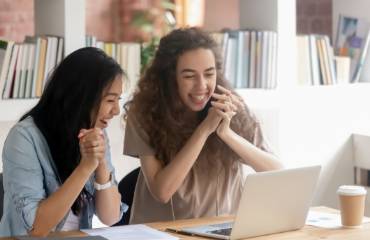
[62, 238]
[131, 232]
[326, 220]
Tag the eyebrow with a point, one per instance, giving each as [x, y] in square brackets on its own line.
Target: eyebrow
[112, 94]
[192, 71]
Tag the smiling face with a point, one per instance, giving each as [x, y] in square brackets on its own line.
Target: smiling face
[196, 78]
[109, 106]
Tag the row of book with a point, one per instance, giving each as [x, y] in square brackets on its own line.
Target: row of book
[316, 64]
[127, 54]
[25, 67]
[250, 58]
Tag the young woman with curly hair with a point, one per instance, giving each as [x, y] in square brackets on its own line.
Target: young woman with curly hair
[191, 133]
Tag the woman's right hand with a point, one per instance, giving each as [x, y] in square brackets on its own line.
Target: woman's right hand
[92, 147]
[212, 121]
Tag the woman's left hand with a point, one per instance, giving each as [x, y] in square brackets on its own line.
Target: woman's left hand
[227, 105]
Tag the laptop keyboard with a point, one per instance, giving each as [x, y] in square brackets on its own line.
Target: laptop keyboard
[223, 229]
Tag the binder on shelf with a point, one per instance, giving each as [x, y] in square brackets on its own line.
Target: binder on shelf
[352, 39]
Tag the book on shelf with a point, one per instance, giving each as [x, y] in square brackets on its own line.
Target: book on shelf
[10, 72]
[342, 67]
[6, 48]
[249, 57]
[315, 61]
[25, 67]
[127, 55]
[352, 39]
[303, 60]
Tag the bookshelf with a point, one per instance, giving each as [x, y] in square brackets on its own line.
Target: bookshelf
[64, 18]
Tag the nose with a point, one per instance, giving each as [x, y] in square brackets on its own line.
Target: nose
[202, 82]
[116, 109]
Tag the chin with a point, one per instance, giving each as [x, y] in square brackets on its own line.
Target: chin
[196, 108]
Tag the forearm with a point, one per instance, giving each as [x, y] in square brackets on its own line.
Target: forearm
[107, 201]
[249, 153]
[168, 179]
[54, 208]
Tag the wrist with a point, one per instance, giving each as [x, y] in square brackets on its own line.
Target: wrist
[102, 173]
[204, 130]
[225, 134]
[85, 169]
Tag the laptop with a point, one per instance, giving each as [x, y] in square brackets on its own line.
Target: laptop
[272, 202]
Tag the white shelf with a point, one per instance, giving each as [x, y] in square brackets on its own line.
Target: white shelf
[13, 109]
[323, 94]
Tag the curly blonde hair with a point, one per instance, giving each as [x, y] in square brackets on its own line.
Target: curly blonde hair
[157, 107]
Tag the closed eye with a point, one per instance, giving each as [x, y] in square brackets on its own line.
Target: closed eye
[209, 75]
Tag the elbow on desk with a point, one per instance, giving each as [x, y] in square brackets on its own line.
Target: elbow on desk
[39, 233]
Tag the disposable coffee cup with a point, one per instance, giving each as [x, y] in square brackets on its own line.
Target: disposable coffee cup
[352, 205]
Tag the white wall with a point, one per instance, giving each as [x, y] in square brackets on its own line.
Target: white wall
[316, 124]
[123, 164]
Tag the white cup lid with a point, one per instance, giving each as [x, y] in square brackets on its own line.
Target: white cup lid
[351, 190]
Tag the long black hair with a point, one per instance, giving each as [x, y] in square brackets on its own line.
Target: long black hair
[69, 103]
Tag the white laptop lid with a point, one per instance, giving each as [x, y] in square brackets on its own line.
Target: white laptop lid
[275, 201]
[272, 202]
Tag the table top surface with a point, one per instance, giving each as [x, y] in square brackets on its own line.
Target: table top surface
[307, 232]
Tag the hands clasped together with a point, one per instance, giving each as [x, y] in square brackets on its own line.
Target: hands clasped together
[224, 108]
[92, 147]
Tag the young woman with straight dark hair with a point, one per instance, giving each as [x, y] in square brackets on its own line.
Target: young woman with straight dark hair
[56, 159]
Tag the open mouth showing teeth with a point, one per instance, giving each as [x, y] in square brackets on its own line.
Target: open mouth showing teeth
[199, 97]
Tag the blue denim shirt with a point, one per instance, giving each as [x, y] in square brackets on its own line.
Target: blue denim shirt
[30, 176]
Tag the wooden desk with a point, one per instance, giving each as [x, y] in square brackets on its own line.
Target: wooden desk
[306, 233]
